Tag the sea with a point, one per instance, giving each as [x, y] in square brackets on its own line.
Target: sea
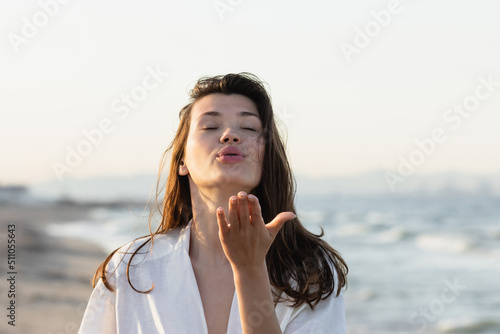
[417, 263]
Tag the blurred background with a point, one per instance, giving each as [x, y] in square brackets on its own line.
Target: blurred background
[390, 110]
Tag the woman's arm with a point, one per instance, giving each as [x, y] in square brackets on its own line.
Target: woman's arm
[246, 239]
[255, 301]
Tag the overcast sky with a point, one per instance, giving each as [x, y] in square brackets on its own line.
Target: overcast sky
[356, 83]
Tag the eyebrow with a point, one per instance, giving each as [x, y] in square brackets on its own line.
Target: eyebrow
[216, 113]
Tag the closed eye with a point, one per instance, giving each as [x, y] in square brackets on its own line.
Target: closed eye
[212, 128]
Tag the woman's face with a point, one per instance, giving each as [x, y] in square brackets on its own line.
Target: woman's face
[220, 121]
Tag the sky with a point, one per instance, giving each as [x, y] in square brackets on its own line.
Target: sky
[94, 88]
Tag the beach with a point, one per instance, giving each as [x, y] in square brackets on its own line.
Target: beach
[50, 282]
[416, 264]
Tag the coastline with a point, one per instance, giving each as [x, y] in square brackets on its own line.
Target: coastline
[53, 274]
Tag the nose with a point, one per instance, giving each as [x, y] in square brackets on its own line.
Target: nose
[229, 136]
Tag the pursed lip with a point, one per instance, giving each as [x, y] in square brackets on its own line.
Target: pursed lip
[229, 150]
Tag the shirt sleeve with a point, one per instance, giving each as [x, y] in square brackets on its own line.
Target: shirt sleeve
[100, 315]
[328, 317]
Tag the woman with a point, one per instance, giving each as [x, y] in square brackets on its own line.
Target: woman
[230, 255]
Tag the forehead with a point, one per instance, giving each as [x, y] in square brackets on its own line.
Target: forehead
[220, 105]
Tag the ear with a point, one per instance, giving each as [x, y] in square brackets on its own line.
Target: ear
[183, 169]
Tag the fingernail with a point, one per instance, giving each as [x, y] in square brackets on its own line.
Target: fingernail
[233, 200]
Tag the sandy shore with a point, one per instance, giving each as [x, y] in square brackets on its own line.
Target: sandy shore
[53, 274]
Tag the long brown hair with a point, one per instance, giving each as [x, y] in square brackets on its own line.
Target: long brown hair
[299, 262]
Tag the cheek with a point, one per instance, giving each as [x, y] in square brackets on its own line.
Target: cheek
[194, 145]
[192, 150]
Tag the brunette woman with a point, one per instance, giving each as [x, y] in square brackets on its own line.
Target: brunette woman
[230, 255]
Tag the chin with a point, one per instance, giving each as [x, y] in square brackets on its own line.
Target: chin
[237, 182]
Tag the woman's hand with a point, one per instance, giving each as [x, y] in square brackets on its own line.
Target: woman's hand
[246, 238]
[244, 235]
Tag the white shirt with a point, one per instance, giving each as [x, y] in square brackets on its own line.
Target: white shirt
[174, 305]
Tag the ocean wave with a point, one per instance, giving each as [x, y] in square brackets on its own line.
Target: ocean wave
[444, 243]
[378, 218]
[75, 229]
[392, 235]
[361, 295]
[464, 326]
[487, 254]
[495, 234]
[316, 217]
[352, 229]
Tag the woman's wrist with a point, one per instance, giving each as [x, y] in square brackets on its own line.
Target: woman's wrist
[250, 271]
